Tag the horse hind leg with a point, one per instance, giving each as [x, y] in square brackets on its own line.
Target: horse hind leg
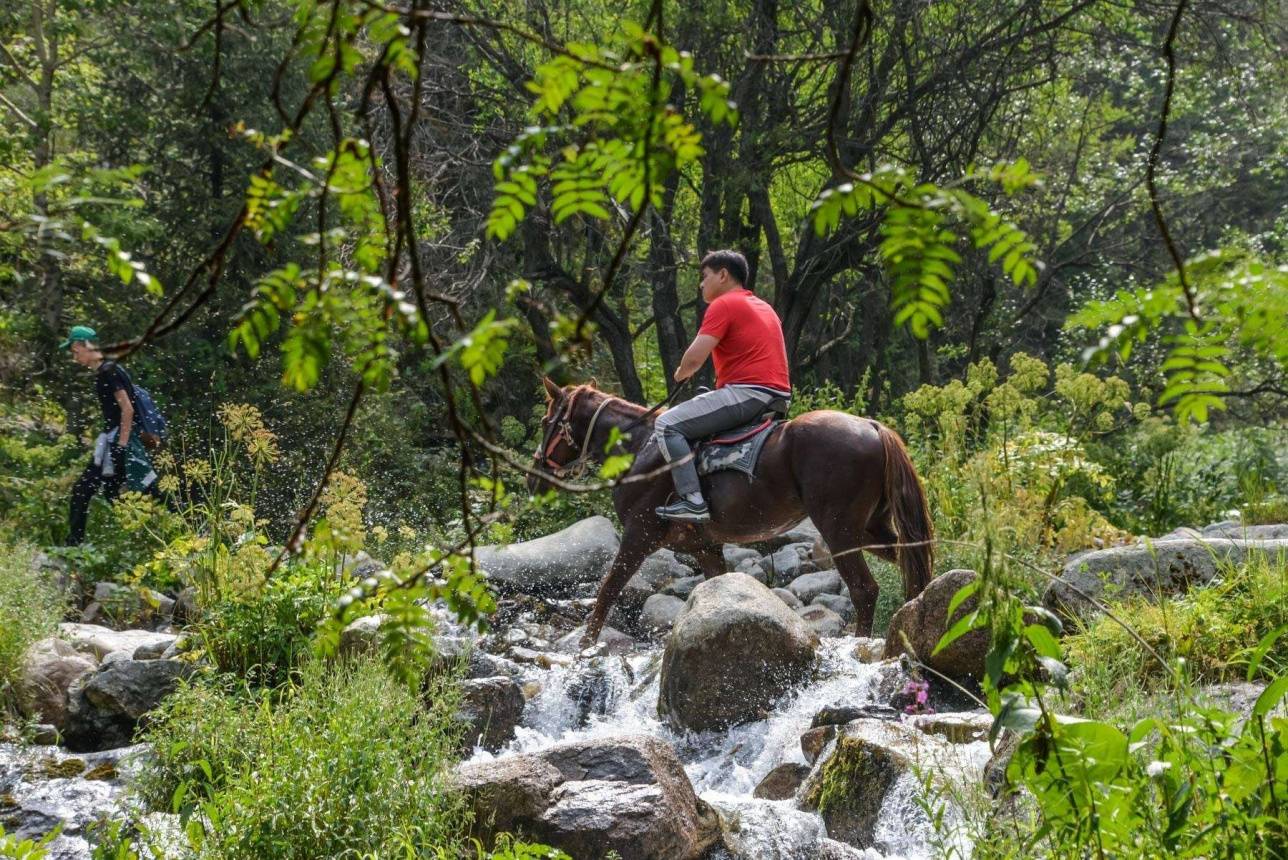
[844, 542]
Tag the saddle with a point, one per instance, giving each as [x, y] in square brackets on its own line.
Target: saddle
[737, 449]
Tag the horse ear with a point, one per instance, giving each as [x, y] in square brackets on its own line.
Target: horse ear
[553, 391]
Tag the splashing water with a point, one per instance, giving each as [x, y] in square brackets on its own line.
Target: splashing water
[618, 695]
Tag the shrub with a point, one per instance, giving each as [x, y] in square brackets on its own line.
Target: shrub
[264, 633]
[347, 763]
[31, 605]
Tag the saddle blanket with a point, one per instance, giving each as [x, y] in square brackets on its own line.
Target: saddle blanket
[736, 450]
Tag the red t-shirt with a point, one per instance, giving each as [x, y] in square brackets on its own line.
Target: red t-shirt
[751, 350]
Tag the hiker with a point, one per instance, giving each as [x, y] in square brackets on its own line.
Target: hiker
[120, 460]
[744, 337]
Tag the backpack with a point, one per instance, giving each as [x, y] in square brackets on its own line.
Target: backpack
[148, 419]
[152, 424]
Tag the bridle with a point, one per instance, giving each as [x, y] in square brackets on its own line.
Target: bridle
[561, 430]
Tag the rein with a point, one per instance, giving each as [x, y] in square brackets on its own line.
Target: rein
[561, 429]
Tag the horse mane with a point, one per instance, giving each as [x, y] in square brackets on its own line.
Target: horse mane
[633, 410]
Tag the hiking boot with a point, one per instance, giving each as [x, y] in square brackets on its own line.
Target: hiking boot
[685, 511]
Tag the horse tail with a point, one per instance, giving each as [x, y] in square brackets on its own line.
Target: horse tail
[904, 497]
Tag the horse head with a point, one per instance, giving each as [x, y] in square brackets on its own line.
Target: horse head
[558, 446]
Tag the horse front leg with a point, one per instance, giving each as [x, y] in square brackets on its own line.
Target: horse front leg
[711, 560]
[634, 549]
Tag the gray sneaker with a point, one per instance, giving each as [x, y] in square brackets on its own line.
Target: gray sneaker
[685, 511]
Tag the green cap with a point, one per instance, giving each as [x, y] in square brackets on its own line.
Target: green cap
[79, 332]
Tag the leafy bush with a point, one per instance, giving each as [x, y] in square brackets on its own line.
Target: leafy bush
[1189, 780]
[348, 763]
[1170, 475]
[31, 605]
[263, 634]
[1013, 452]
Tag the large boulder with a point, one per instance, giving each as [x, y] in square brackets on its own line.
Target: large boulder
[735, 650]
[122, 606]
[923, 621]
[105, 707]
[1148, 569]
[627, 794]
[49, 668]
[858, 769]
[556, 565]
[489, 711]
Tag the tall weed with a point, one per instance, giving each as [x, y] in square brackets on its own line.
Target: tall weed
[347, 763]
[31, 605]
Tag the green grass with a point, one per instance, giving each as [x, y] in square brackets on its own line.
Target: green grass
[1212, 629]
[31, 605]
[347, 763]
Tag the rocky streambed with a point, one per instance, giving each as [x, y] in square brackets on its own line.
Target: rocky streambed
[732, 719]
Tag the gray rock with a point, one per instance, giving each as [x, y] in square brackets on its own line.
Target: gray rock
[106, 706]
[49, 668]
[868, 649]
[784, 565]
[660, 612]
[814, 740]
[803, 532]
[655, 573]
[490, 709]
[185, 606]
[360, 565]
[838, 603]
[611, 641]
[152, 650]
[101, 641]
[1163, 567]
[627, 794]
[556, 565]
[957, 728]
[792, 601]
[823, 621]
[923, 621]
[682, 588]
[782, 782]
[755, 571]
[118, 656]
[1237, 531]
[121, 604]
[361, 635]
[820, 554]
[735, 555]
[830, 849]
[811, 585]
[839, 715]
[734, 651]
[132, 688]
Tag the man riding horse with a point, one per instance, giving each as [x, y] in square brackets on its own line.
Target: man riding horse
[851, 476]
[744, 338]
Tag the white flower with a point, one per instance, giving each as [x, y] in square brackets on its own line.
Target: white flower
[1155, 769]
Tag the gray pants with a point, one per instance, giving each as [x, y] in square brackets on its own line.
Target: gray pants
[708, 413]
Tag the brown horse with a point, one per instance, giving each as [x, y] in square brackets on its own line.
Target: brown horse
[851, 476]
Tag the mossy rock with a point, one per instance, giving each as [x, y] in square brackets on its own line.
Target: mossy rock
[850, 785]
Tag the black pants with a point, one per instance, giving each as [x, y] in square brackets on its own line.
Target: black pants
[90, 482]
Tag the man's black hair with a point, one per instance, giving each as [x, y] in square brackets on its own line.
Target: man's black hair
[731, 261]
